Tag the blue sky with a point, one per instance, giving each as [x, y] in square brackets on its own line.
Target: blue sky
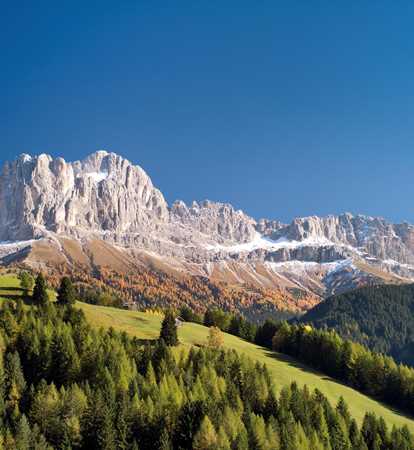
[282, 108]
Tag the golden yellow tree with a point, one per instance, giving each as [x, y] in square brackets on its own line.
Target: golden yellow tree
[215, 337]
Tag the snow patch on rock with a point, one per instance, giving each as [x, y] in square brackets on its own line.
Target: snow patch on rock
[262, 242]
[97, 177]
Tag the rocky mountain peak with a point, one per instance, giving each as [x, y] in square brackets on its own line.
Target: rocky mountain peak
[106, 197]
[102, 192]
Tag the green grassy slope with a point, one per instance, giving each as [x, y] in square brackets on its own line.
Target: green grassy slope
[10, 286]
[283, 368]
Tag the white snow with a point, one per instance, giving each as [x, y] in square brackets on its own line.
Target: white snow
[262, 242]
[15, 243]
[341, 264]
[26, 157]
[302, 266]
[97, 176]
[291, 266]
[392, 262]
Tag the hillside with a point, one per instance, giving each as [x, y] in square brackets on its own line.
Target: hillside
[283, 368]
[379, 317]
[70, 386]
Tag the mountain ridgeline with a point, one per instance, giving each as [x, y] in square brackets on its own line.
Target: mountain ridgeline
[380, 317]
[104, 212]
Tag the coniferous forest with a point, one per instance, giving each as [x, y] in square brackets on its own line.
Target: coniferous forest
[68, 386]
[380, 317]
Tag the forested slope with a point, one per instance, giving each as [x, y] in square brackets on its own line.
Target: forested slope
[380, 317]
[67, 385]
[283, 368]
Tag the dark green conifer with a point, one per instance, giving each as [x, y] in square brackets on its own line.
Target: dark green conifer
[169, 329]
[66, 292]
[40, 296]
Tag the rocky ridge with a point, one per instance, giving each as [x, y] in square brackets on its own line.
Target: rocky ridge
[105, 197]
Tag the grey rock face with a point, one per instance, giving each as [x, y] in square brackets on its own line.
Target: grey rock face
[219, 221]
[269, 228]
[106, 196]
[102, 193]
[370, 236]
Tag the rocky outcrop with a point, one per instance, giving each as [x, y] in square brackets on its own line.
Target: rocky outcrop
[218, 221]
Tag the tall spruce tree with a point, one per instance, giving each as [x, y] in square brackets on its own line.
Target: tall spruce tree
[66, 292]
[40, 296]
[169, 329]
[23, 434]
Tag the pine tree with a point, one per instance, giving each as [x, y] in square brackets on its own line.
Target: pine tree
[66, 292]
[164, 441]
[121, 423]
[169, 330]
[15, 381]
[40, 296]
[106, 433]
[65, 360]
[337, 431]
[23, 435]
[271, 406]
[303, 442]
[342, 409]
[206, 436]
[257, 429]
[223, 442]
[188, 423]
[281, 337]
[346, 361]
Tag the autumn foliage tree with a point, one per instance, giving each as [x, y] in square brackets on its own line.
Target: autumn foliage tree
[215, 338]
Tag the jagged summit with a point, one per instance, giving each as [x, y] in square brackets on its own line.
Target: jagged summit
[106, 197]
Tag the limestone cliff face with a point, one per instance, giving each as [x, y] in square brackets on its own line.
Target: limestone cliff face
[370, 236]
[219, 221]
[103, 193]
[106, 197]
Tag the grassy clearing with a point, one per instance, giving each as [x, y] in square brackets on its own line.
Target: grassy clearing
[283, 368]
[10, 286]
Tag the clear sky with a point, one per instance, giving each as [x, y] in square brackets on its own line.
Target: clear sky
[282, 108]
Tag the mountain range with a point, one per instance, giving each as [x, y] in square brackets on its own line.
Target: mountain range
[105, 211]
